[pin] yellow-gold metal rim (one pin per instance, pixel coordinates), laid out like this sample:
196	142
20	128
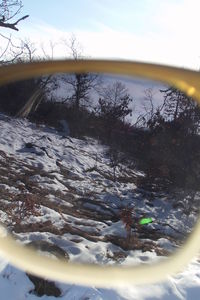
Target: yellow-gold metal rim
85	274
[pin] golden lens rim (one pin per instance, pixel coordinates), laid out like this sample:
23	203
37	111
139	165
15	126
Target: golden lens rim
102	276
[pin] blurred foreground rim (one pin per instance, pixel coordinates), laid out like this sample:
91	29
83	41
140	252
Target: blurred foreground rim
102	276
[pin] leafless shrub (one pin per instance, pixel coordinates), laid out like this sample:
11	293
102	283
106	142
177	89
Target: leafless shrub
22	206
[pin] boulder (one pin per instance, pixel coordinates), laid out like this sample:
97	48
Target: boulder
43	286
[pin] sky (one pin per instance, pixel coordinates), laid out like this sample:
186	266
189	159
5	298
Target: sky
155	31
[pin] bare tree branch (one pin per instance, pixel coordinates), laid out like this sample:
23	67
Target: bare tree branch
7	45
28	50
13	15
14	51
74	47
51	46
12	25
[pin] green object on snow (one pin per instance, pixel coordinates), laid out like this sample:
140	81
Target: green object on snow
144	221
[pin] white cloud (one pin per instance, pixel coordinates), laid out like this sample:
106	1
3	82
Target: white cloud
171	37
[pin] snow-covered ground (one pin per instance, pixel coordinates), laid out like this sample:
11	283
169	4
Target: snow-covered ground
14	284
62	191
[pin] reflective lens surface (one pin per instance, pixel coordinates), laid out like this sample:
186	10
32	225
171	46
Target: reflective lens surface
99	169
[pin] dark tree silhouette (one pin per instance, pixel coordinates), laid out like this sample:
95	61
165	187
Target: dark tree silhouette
114	102
181	110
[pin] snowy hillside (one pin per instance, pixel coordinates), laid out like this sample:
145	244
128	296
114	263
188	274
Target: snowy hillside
62	195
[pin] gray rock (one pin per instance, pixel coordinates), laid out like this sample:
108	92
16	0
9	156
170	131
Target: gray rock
49	247
43	286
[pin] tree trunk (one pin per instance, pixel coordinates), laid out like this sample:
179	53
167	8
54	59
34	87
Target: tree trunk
32	102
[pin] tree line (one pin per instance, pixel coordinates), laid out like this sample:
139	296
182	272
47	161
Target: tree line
163	142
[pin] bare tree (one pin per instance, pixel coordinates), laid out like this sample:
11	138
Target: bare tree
28	52
49	55
78	85
151	110
9	9
114	101
73	47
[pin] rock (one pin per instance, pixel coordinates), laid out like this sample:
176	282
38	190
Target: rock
43	286
29	145
49	247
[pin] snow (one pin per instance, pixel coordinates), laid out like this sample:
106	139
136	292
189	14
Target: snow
14	284
79	211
